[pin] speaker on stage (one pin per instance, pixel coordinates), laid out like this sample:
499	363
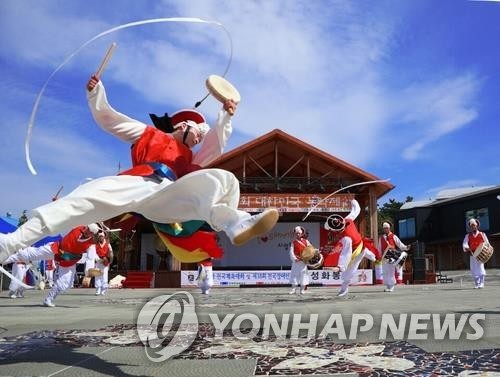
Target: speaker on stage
418	268
418	249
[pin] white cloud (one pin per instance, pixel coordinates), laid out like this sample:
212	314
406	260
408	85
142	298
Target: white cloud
453	185
437	109
309	69
317	70
43	32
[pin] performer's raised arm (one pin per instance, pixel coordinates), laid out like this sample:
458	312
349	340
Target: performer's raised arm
216	139
355	210
110	120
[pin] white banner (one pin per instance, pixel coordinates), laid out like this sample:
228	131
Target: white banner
236	278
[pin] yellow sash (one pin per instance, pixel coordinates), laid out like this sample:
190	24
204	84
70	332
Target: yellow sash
356	252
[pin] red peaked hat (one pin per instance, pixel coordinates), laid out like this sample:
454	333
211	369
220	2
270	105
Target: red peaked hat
187	114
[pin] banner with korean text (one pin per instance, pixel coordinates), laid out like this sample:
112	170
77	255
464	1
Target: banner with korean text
236	278
296	202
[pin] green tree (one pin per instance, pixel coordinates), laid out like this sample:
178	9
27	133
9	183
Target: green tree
388	210
23	218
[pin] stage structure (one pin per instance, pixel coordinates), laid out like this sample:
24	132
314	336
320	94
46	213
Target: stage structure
276	170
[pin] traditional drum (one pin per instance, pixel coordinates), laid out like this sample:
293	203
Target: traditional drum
312	257
483	252
394	256
222	89
93	272
86	282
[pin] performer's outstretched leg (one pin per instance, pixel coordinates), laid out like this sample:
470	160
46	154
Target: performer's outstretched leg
211	195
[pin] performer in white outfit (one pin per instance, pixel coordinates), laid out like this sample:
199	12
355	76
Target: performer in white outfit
166	185
389	241
103	257
205	276
66	252
49	272
379	272
471	242
89	259
19	270
399	273
354	246
299	276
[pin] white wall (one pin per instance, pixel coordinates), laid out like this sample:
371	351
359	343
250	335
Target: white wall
272	249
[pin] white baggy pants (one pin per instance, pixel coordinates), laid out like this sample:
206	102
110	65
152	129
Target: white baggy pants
211	195
64	281
101	282
389	274
299	275
350	267
65	275
49	276
19	272
477	271
206	278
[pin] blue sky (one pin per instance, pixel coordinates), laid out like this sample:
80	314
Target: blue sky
406	90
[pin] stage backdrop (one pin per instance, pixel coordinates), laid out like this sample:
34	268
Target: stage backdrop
271	249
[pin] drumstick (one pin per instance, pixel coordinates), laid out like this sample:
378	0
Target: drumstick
106	60
230	110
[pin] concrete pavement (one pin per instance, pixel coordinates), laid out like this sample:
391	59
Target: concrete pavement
92	335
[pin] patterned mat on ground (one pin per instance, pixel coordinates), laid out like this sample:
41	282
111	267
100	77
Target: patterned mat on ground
279	356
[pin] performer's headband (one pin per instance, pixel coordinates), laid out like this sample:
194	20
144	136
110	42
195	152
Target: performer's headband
299	230
474	222
93	228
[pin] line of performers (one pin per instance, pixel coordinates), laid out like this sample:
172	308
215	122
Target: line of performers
63	255
44	275
349	249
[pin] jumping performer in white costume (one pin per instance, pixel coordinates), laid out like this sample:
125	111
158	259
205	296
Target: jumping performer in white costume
166	185
355	247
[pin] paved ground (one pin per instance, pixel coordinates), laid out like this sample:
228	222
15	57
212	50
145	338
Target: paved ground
87	335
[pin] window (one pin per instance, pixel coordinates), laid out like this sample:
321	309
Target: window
480	214
407	228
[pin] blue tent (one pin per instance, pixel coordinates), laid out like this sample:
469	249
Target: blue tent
48	239
7	224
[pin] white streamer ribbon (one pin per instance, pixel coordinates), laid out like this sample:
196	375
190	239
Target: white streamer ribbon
13	278
108	229
342	189
109	31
